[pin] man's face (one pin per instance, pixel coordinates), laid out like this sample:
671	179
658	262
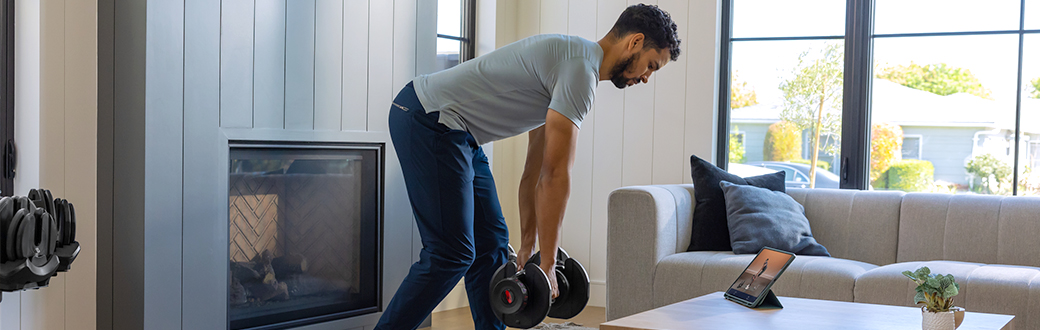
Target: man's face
638	67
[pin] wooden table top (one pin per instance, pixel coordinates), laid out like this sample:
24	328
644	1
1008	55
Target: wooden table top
713	311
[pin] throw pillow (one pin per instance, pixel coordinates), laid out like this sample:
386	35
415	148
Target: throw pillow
710	232
760	217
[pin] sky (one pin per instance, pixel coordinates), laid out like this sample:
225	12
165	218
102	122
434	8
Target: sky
993	59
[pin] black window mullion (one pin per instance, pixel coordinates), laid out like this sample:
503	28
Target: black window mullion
855	123
725	45
7	151
1018	97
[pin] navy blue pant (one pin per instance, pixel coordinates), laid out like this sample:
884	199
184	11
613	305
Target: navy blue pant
457	211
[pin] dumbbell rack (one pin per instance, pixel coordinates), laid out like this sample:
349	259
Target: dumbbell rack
37	240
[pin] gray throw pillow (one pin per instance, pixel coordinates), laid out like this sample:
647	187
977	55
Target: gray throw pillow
760	217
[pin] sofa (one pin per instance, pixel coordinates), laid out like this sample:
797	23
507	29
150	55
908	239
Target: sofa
991	244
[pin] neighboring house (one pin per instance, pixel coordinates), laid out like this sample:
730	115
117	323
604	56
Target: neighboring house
944	130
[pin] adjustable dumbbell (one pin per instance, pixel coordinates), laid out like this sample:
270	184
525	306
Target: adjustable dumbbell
522	298
29	235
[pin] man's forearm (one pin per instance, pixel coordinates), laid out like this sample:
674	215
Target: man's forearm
528	218
551	201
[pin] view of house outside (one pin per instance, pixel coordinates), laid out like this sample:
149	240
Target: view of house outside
943	107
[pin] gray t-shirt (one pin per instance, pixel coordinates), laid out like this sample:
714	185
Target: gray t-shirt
509	91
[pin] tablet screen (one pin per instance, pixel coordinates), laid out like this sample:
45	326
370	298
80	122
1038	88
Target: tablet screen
759	274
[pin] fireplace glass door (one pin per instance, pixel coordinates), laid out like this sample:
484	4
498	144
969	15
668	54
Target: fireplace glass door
304	233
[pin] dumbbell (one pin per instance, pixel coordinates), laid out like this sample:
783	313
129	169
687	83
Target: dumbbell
29	240
522	298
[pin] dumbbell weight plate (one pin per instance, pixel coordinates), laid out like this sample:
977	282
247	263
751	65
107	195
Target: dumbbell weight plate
569	304
72	223
538	297
25	244
10	248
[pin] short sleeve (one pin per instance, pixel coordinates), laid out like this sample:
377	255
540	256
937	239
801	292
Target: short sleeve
575	89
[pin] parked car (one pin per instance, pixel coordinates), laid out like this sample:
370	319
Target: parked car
796	175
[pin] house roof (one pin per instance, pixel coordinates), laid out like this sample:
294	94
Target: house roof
905	106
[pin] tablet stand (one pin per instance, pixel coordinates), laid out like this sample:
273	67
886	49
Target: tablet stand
769	302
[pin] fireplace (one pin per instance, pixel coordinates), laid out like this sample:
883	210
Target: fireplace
305	228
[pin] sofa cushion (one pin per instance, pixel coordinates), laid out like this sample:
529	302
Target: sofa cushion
984	288
710	232
758	217
691	274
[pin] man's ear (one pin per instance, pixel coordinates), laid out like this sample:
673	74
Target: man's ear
635	42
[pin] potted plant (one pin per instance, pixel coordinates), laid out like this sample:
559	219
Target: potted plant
936	292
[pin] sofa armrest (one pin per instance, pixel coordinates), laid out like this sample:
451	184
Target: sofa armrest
645	224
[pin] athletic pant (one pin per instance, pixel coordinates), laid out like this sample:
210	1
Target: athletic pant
457	212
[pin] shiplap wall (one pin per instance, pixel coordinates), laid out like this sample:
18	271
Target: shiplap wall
644	134
56	115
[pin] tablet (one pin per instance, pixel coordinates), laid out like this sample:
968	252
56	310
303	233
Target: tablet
753	284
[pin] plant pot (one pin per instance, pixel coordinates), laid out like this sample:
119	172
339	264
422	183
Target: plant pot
942	321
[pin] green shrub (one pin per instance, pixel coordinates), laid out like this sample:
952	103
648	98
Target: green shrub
783	142
909	175
990	175
736	148
819	163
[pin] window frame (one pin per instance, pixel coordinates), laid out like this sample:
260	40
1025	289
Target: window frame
920	144
856	117
468	30
7	74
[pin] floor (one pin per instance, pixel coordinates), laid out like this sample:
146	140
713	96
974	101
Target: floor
460	319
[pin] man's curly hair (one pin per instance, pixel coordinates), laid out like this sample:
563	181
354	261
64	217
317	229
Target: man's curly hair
656	25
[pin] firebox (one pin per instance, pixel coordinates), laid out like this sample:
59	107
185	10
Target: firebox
305	227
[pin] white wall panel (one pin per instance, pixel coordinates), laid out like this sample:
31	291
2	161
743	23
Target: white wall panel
608	156
328	65
381	89
355	65
299	65
236	63
553	17
701	81
577	219
670	107
637	166
269	64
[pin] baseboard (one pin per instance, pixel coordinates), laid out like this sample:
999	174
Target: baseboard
598	293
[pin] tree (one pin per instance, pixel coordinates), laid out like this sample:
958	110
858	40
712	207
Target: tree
783	142
935	78
740	95
886	148
1035	85
812	98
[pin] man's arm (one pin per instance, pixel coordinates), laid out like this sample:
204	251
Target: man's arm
554	185
528	182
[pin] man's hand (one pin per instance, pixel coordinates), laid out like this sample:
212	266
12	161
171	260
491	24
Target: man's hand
550	271
523	255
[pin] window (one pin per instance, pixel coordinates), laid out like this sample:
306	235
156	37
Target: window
961	73
7	147
786	69
455	32
911	148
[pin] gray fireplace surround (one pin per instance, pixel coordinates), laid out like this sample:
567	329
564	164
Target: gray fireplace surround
165	122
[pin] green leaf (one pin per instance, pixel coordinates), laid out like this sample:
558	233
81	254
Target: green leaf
907	273
951	291
920	298
923	272
932	283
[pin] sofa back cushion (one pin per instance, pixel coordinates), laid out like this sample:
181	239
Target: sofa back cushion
853	224
970	228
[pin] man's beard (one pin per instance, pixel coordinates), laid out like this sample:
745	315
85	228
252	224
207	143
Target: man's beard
617	73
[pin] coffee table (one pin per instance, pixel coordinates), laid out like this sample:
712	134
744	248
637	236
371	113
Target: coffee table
713	311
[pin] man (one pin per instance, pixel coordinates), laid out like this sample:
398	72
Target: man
544	84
